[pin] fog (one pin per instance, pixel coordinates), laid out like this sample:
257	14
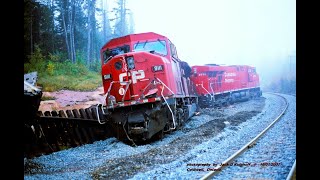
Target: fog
261	33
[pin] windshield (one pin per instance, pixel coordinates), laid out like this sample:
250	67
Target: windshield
158	46
109	53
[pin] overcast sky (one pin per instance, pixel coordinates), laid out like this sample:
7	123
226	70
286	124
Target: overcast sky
254	32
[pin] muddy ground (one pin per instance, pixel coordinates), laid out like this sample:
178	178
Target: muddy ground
66	99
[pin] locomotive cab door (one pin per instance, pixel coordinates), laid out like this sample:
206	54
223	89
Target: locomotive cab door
176	68
177	76
219	77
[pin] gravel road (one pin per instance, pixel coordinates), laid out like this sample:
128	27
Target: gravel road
205	139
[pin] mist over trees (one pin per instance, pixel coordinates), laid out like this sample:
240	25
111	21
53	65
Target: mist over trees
281	78
73	30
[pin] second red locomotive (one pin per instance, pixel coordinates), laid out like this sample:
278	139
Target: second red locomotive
218	85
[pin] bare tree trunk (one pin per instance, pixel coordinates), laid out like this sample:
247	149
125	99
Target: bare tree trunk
121	28
94	37
89	46
65	31
122	17
91	26
104	21
131	23
73	44
31	43
71	30
124	27
89	34
52	28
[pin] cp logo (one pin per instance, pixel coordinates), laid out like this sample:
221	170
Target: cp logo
135	75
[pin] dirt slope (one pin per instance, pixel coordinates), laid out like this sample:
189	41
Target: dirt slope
66	99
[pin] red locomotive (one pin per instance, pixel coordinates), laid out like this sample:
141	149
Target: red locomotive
218	85
149	90
147	87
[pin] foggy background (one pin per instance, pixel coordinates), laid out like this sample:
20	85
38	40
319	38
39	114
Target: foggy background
260	33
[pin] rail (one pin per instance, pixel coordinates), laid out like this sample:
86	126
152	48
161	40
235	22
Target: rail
219	167
291	171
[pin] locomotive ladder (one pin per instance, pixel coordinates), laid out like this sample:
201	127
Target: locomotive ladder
211	95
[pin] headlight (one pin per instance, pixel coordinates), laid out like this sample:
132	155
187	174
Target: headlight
107	76
130	62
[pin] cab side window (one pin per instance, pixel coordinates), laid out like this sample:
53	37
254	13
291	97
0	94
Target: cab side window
173	51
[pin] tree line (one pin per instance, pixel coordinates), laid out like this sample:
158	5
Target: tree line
73	30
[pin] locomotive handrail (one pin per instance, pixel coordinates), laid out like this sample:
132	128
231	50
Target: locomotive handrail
144	89
212	91
212	97
164	85
174	121
109	89
127	86
98	117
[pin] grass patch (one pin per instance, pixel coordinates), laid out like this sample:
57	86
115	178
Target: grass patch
46	98
55	74
87	82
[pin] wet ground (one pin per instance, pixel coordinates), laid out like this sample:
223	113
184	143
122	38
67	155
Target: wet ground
66	99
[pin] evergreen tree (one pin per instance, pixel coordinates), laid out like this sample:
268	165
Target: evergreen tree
131	23
66	27
121	28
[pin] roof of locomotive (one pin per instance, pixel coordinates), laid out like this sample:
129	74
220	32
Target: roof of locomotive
243	66
210	67
216	67
132	37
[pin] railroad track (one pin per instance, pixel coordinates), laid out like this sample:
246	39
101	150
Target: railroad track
167	159
292	171
229	161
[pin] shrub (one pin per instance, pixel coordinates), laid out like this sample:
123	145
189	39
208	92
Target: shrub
50	68
36	62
